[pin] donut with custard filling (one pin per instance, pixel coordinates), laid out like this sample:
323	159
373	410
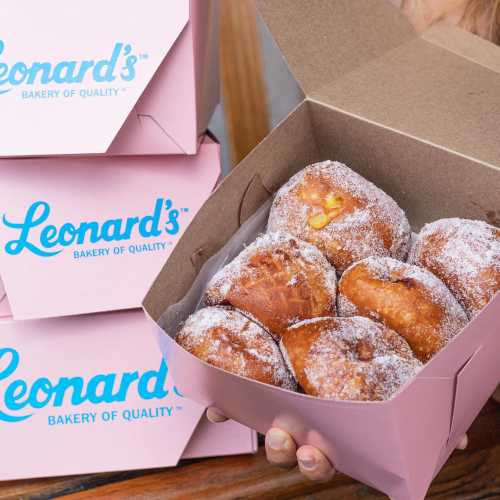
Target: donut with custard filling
347	217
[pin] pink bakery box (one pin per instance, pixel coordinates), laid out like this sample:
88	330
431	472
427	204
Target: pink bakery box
385	101
144	83
88	235
89	394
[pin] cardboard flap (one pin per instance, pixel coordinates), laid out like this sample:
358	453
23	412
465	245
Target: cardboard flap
363	58
424	410
172	93
427	92
475	383
73	97
462	43
322	40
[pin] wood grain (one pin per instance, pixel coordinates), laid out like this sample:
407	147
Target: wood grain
243	88
470	475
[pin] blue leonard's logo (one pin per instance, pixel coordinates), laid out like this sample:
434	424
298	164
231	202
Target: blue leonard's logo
119	66
46	240
19	400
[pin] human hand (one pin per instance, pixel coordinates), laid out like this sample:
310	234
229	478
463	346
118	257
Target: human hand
481	18
281	450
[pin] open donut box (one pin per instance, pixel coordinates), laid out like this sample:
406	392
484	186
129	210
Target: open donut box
418	116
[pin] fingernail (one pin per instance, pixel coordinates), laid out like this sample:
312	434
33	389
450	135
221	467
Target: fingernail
276	441
307	462
463	443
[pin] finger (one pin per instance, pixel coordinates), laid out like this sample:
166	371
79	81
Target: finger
280	448
463	443
314	465
215	416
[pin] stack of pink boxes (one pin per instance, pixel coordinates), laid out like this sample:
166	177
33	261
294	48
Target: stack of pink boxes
103	166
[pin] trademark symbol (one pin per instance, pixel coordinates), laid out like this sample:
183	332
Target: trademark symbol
143	56
178	408
185	210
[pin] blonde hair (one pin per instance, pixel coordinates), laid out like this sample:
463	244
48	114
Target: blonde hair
482	17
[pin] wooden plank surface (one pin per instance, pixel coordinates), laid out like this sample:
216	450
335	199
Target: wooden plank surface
470	475
243	88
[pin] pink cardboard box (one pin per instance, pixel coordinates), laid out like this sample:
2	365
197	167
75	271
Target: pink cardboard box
89	235
145	82
91	394
387	102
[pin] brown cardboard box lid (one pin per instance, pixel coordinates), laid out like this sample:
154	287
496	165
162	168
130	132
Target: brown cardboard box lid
362	57
322	40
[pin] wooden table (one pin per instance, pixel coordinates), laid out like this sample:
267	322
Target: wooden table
473	474
469	475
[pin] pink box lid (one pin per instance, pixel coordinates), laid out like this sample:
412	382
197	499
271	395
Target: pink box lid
89	235
133	87
94	395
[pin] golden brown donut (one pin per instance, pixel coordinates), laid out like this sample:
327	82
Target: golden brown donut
347	217
278	280
408	299
353	359
229	340
465	255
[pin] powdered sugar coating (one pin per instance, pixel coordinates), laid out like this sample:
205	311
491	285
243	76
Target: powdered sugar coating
408	299
345	307
372	223
348	358
229	340
465	254
278	280
288	363
411	252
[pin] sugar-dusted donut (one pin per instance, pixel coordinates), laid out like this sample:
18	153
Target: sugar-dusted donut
353	359
347	217
465	255
406	298
229	340
278	280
